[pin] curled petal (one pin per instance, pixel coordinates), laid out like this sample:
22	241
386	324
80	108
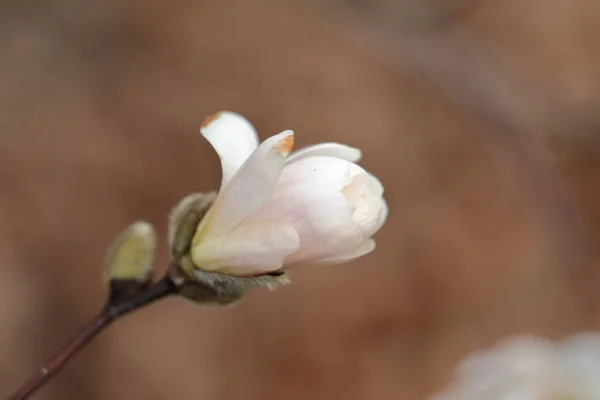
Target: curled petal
250	249
324	178
328	172
233	137
366	212
381	217
366	206
249	188
319	171
320	215
356	189
335	150
370	210
367	246
344	240
374	184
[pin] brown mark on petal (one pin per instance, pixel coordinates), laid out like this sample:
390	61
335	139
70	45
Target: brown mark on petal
208	120
286	145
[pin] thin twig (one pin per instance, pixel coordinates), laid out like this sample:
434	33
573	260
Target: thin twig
109	314
52	367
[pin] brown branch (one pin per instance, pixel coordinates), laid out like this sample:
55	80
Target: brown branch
109	314
52	367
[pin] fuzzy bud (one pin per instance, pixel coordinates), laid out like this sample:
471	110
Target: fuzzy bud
129	260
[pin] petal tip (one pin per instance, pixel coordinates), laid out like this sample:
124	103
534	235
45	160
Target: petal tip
356	154
210	119
286	144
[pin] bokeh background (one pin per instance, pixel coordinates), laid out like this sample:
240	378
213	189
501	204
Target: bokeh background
480	117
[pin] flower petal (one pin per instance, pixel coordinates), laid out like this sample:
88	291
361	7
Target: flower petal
381	217
321	174
249	188
249	249
320	171
367	246
367	206
366	212
374	184
345	239
356	189
320	215
233	137
335	150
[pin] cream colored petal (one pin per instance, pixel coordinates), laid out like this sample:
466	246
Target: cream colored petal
360	189
343	240
335	150
370	210
381	217
320	171
367	246
249	188
233	137
250	249
356	189
374	184
320	215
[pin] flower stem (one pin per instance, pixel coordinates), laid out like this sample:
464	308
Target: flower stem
109	314
97	325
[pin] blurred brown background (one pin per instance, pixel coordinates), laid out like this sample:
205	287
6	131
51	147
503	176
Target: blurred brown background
480	117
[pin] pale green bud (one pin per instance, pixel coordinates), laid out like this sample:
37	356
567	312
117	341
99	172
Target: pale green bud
130	256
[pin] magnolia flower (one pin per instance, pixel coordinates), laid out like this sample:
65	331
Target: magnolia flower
276	208
531	368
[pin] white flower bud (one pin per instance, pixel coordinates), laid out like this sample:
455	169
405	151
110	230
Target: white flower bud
275	209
